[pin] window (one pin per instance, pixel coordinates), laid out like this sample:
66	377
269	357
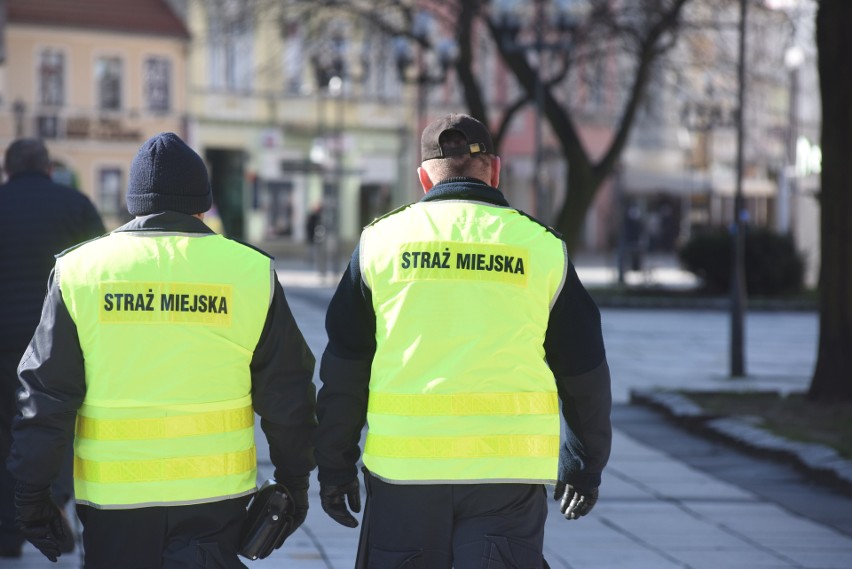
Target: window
51	78
230	46
47	126
158	71
109	191
108	83
294	57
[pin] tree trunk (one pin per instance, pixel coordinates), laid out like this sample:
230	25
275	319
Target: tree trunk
582	186
832	378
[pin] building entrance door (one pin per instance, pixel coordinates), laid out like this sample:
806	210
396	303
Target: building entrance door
226	178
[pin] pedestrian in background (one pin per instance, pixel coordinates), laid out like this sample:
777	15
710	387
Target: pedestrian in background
38	219
160	341
457	328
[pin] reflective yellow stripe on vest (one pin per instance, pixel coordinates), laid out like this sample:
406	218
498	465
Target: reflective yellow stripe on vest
459	389
463	404
161	470
165	427
502	446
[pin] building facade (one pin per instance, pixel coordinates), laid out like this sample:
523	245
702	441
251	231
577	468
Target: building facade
94	79
294	116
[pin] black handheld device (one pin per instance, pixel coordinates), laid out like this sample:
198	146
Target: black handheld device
268	522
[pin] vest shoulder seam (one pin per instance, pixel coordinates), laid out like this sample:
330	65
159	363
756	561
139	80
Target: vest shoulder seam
388	214
250	246
78	245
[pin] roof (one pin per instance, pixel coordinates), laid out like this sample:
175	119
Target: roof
154	17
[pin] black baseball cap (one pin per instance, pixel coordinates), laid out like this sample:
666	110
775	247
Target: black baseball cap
477	136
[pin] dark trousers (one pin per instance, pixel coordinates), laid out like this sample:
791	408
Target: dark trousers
201	536
466	526
10	537
63	487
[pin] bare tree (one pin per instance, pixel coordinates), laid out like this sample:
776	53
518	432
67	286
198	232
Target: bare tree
639	31
832	380
642	32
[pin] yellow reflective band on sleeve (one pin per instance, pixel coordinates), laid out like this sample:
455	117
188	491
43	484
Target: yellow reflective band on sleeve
523	446
424	404
435	260
209	423
139	302
160	470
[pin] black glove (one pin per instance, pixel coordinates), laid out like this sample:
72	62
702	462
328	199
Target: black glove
333	500
298	494
574	503
41	521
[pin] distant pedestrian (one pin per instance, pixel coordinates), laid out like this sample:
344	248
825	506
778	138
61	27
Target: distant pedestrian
456	330
313	226
157	345
38	219
315	229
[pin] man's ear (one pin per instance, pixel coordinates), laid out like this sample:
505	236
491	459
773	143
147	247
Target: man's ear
495	171
425	180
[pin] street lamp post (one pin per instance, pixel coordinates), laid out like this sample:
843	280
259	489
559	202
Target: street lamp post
333	75
738	282
330	71
422	67
793	59
562	25
424	75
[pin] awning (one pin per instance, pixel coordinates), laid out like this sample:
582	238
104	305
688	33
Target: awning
635	181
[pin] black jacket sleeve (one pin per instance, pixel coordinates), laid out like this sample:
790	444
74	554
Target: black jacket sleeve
283	393
53	387
575	351
345	374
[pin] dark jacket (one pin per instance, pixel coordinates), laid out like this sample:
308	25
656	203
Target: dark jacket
38	219
573	345
52	370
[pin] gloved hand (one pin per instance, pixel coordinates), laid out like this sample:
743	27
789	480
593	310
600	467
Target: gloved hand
298	493
573	503
40	520
333	500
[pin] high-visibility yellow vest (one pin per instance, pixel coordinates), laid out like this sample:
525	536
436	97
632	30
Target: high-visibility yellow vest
167	327
459	387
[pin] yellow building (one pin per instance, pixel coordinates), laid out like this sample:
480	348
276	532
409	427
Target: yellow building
291	113
94	79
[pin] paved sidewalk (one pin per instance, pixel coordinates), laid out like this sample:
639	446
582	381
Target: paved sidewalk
668	499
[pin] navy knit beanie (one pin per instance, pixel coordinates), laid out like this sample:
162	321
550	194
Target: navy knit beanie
168	175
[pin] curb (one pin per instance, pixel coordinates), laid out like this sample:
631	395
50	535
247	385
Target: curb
609	298
820	462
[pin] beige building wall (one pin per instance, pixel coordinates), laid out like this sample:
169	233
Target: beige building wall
83	138
275	141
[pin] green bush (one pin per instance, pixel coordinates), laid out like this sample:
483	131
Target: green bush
773	267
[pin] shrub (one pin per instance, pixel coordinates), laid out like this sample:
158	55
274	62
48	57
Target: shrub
773	267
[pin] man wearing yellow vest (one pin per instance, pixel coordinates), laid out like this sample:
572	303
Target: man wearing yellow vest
457	329
157	345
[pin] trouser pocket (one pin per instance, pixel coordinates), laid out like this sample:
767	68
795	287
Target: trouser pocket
210	556
380	559
504	553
